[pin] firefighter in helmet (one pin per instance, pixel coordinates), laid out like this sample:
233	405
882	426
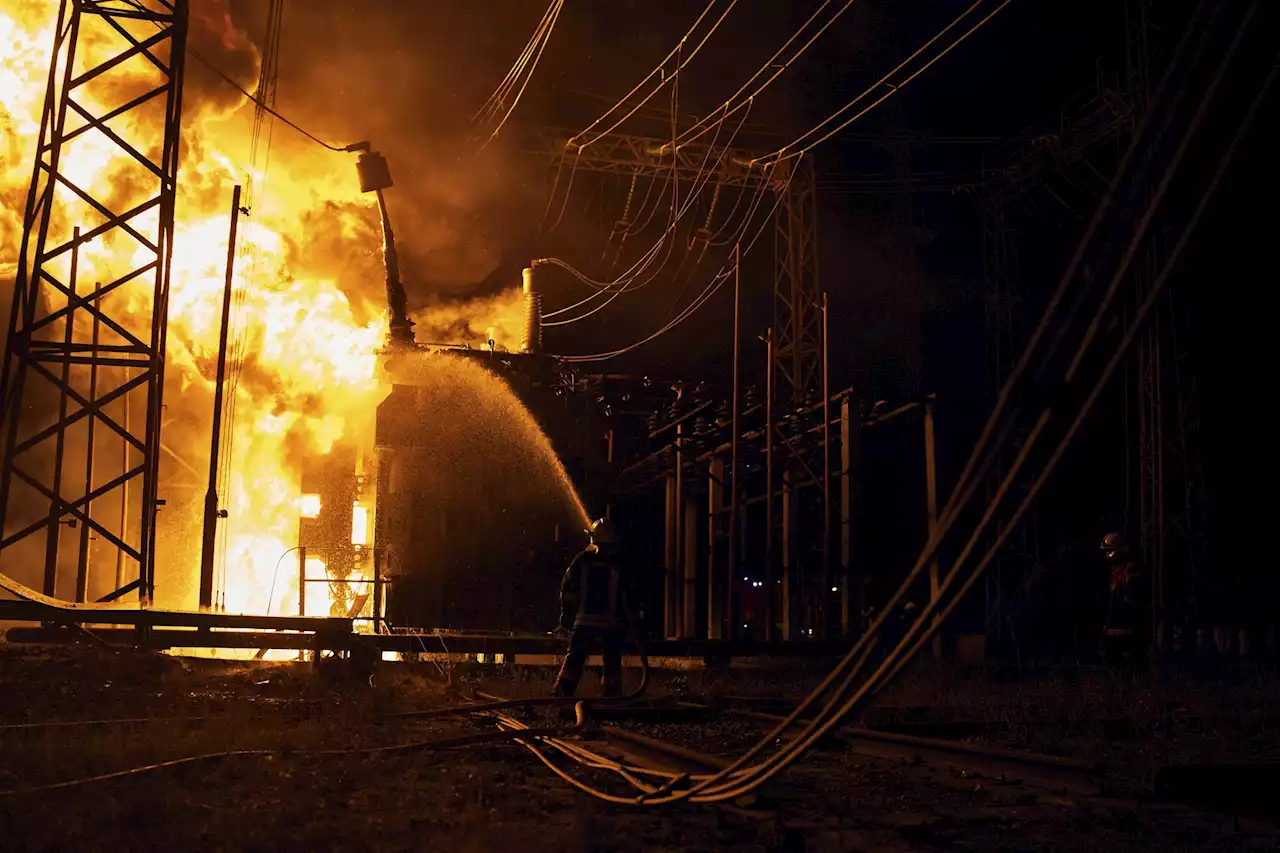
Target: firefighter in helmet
1124	634
593	606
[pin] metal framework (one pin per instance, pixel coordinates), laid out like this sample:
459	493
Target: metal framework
1168	483
75	358
797	300
797	297
651	157
1086	124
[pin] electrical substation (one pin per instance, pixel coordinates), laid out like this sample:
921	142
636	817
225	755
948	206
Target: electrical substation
899	365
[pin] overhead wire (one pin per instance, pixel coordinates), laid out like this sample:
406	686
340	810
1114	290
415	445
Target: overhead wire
700	128
226	78
660	68
712	286
674	214
264	103
495	101
616	288
702	234
798	146
543	37
630	280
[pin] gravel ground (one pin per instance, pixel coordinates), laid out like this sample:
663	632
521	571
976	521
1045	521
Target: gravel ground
489	797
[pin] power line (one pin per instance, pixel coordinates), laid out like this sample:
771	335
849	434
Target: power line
791	150
216	70
268	80
494	101
710	290
690	135
678	50
541	37
627	281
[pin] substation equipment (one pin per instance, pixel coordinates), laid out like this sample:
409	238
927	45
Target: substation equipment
758	489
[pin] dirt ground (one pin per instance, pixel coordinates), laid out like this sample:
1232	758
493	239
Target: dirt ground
499	797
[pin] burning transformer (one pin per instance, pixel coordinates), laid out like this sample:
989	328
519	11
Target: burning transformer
457	512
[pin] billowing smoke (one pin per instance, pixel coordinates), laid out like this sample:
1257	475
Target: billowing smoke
474	322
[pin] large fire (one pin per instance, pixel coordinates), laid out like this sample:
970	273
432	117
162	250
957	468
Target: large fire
309	326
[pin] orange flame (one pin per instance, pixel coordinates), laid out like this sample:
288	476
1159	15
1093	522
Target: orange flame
309	374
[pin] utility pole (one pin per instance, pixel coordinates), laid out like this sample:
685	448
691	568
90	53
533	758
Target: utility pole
211	511
732	575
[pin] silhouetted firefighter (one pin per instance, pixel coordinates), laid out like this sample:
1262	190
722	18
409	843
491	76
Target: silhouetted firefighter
593	603
1125	633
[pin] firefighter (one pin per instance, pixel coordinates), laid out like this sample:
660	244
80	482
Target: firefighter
1124	633
593	606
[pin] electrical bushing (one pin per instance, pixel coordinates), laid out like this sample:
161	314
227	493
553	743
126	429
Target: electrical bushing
374	172
532	314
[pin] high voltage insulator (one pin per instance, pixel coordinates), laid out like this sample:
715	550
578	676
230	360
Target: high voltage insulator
532	314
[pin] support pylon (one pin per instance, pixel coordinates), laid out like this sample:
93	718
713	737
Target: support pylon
51	348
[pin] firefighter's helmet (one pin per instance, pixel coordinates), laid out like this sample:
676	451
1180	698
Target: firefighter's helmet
1115	547
1113	542
602	532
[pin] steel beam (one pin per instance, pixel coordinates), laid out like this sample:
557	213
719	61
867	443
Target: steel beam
850	583
650	157
689	589
797	309
797	298
41	404
670	590
719	540
931	510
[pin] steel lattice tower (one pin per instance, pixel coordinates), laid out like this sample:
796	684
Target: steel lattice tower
82	355
797	297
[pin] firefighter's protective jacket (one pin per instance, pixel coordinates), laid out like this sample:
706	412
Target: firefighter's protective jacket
1128	609
592	593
